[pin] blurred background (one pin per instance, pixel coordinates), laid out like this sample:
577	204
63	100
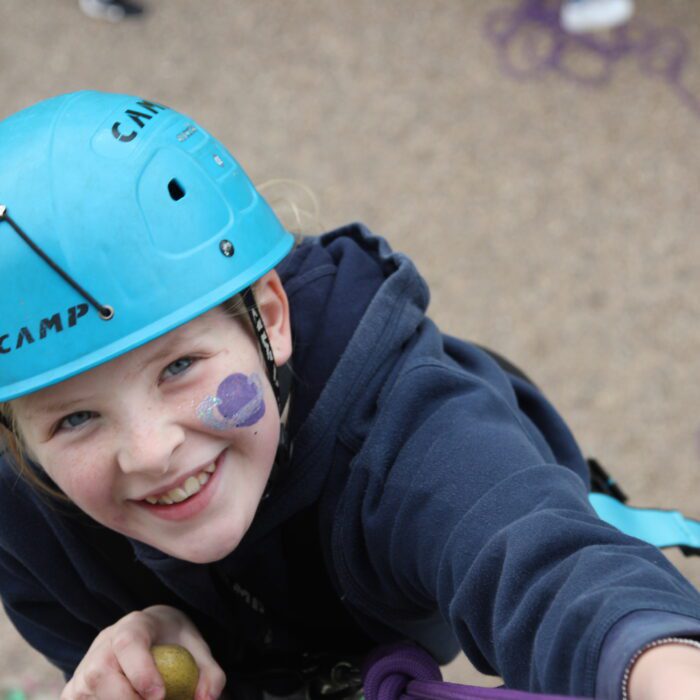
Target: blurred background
545	183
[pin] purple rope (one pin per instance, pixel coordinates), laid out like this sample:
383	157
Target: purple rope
387	672
406	672
531	42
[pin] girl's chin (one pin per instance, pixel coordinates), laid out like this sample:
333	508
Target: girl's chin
198	557
202	550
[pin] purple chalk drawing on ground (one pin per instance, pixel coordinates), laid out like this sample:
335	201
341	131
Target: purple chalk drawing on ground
531	42
238	403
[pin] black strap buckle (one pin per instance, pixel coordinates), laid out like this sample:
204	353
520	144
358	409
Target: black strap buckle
602	482
339	681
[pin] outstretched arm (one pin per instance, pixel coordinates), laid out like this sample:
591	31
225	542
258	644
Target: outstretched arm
465	509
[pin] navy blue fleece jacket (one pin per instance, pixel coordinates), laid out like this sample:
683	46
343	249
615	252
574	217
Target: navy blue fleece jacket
430	495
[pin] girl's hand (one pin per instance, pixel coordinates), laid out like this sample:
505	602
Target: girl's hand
119	666
667	671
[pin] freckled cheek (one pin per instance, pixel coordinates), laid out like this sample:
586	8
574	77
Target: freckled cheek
91	492
83	482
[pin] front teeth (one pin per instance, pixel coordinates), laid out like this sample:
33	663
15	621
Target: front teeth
181	493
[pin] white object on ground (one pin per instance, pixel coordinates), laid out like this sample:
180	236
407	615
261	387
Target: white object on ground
578	16
103	9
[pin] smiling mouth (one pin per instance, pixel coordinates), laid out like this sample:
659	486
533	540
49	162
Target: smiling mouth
190	487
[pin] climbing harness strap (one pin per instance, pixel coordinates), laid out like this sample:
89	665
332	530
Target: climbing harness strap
662	528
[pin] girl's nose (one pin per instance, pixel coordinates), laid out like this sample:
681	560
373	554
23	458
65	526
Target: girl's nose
149	446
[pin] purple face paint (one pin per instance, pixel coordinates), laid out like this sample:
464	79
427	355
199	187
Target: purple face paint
238	403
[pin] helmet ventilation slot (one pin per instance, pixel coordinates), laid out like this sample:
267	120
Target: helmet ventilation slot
175	190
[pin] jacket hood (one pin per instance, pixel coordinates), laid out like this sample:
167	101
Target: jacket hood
354	303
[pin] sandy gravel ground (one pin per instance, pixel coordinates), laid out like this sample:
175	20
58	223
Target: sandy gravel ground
555	220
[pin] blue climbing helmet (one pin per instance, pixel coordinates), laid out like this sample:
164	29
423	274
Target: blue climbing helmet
120	219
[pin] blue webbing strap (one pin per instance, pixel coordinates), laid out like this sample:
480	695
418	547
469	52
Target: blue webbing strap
662	528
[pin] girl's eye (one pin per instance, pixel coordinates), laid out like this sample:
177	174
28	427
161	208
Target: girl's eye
180	365
75	420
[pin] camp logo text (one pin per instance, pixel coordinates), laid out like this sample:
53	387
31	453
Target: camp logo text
138	117
55	323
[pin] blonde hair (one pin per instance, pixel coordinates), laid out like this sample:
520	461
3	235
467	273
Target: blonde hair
296	207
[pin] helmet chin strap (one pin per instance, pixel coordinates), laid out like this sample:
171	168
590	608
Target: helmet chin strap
280	380
264	342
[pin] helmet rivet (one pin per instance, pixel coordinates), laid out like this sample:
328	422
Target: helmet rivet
226	247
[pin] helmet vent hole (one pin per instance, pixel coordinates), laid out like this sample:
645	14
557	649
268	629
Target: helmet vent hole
175	190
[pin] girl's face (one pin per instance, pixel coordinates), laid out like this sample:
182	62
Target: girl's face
172	443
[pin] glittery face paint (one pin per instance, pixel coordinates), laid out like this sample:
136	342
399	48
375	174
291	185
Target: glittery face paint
238	403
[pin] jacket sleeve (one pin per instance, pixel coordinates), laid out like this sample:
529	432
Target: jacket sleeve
629	635
40	619
57	591
455	502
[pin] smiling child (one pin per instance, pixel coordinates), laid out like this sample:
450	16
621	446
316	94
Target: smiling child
268	453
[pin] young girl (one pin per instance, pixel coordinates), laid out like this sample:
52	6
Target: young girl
268	453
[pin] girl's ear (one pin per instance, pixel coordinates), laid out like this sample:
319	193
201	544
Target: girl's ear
274	308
